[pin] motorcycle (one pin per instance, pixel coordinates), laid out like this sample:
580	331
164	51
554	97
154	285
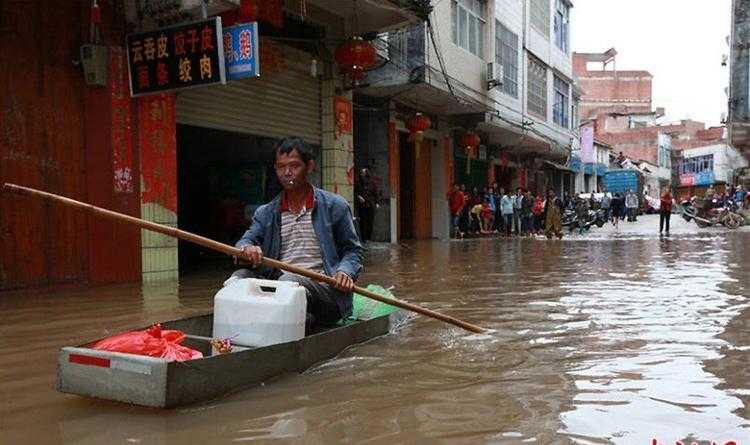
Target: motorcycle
598	217
710	212
572	222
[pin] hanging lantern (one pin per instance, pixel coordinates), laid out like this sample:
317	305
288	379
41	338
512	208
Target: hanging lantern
249	11
417	125
470	143
354	57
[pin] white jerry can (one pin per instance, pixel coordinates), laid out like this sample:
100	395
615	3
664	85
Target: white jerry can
252	312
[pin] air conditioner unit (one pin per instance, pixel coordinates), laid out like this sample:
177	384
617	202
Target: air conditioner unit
494	75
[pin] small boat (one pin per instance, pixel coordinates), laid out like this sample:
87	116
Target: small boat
157	382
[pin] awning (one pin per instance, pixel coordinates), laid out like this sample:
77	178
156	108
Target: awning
558	166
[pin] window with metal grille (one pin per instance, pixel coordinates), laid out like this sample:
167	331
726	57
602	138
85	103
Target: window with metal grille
562	14
698	164
467	25
506	55
560	112
537	88
539	15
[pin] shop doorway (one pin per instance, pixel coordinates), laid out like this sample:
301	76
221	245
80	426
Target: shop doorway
415	196
222	178
504	177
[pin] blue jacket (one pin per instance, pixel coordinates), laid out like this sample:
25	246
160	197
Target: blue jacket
334	227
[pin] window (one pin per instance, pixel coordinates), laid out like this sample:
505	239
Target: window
562	14
697	164
467	25
540	16
560	112
537	88
506	55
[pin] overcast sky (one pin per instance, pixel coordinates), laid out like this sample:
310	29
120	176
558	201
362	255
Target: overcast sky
680	42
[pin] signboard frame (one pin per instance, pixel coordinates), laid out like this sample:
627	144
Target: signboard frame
219	43
255	51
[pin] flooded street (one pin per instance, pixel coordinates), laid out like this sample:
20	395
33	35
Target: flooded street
612	337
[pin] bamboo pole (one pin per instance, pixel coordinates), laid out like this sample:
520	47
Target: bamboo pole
233	251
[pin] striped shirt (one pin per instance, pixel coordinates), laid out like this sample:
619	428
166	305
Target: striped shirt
299	244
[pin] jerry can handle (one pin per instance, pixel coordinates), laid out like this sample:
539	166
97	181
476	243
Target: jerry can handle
257	285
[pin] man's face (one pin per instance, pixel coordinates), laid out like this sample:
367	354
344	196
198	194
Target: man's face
292	170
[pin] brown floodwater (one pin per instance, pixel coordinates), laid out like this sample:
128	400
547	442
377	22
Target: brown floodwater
617	338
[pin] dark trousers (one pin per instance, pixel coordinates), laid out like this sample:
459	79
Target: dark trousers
366	216
322	309
508	223
664	221
499	220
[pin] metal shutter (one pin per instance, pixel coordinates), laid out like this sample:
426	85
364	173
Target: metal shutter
285	103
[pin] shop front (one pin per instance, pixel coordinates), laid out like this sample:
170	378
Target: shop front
225	140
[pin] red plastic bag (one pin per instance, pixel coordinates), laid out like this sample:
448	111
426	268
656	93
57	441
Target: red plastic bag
153	342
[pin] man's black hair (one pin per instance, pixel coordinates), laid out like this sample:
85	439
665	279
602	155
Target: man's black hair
289	144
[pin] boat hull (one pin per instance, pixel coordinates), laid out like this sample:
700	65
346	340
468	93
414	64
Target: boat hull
158	383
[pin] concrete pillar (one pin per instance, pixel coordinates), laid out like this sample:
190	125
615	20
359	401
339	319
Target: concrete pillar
337	163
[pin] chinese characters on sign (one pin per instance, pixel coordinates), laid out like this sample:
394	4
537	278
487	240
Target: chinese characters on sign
176	57
241	51
158	144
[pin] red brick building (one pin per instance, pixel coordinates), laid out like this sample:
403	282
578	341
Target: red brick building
610	90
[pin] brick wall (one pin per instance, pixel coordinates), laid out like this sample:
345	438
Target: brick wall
628	90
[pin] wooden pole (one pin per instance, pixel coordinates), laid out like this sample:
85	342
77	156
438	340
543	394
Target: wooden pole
233	251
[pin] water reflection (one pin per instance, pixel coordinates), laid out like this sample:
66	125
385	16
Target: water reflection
606	340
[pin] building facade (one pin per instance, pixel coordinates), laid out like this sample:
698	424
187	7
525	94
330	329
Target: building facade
199	158
716	165
738	121
499	68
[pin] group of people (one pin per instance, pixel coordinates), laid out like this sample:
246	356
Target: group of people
734	195
617	206
495	211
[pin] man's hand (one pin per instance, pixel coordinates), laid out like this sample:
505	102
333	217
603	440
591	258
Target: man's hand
253	254
343	282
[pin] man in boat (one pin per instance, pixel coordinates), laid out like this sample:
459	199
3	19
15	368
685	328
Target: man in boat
306	227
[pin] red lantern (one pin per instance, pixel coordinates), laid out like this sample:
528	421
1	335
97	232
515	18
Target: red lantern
355	57
417	125
470	143
249	11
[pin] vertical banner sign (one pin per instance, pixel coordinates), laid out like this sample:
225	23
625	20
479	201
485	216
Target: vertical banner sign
448	162
158	145
181	56
342	109
587	144
122	142
522	177
241	54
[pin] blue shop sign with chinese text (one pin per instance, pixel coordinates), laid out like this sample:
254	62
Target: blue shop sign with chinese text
181	56
241	51
705	178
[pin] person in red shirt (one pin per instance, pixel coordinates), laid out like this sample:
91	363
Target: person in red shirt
487	217
665	211
456	203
